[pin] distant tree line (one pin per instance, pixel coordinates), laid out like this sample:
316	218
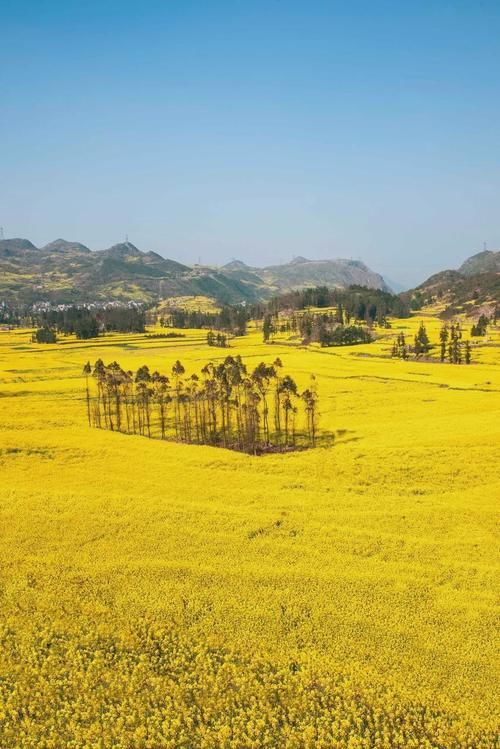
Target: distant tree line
358	303
9	315
230	319
165	335
226	406
86	323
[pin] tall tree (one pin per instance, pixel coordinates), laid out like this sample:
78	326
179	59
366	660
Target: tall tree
87	371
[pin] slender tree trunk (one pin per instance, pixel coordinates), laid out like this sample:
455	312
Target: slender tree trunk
88	398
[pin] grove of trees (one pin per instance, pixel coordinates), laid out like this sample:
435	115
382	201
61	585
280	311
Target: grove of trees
225	406
479	329
230	318
325	328
88	323
44	335
452	348
220	340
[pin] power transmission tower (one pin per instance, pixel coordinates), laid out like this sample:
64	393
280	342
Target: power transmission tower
1	233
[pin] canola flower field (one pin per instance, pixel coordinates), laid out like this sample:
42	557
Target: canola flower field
158	595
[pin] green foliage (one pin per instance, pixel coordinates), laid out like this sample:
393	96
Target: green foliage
231	319
400	348
88	323
267	327
355	302
453	347
45	335
479	329
219	340
422	343
165	335
226	407
344	335
86	327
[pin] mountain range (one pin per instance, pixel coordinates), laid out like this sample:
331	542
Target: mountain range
66	272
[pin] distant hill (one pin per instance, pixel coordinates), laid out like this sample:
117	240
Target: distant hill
62	245
11	247
66	271
301	273
484	262
473	289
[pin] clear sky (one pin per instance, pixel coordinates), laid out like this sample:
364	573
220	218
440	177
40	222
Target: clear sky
258	130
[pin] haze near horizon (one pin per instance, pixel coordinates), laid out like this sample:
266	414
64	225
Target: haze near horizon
257	131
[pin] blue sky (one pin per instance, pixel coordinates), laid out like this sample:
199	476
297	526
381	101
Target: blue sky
256	130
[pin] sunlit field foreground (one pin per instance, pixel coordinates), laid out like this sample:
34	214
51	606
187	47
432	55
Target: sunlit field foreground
162	595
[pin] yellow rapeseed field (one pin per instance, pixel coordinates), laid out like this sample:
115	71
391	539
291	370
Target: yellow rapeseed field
158	595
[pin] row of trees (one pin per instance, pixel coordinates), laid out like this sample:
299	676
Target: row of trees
230	318
356	303
452	347
220	340
89	323
225	406
401	349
